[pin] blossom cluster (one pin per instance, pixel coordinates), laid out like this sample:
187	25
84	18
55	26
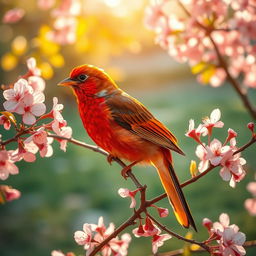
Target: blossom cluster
65	15
65	23
25	98
190	29
92	235
230	240
216	153
149	229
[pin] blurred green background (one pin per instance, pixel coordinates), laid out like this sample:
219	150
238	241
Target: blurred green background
61	193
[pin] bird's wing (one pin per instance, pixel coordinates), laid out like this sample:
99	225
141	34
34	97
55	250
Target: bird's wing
133	116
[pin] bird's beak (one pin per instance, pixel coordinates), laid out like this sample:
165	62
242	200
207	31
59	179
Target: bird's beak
67	82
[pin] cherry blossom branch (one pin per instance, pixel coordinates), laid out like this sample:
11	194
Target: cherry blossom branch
178	252
201	244
222	63
144	204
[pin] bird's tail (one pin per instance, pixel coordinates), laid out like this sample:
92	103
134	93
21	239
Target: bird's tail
173	190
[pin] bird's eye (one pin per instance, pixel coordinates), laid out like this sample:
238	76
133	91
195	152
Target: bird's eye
82	77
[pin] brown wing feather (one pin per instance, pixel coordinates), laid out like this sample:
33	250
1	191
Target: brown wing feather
133	116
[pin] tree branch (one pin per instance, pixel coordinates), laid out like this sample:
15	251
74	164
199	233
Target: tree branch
201	244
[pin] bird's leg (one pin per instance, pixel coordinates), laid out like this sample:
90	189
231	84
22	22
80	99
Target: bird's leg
127	169
110	158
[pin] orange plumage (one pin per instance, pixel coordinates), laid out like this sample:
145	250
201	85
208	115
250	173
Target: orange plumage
122	126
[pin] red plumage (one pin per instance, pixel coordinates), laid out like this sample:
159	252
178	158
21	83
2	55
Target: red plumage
122	126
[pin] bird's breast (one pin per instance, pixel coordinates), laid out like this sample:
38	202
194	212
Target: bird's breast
110	136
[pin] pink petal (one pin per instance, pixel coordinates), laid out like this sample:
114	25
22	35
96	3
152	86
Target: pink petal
133	202
38	97
9	94
123	192
38	109
37	83
12	168
80	237
10	105
225	174
29	157
239	238
250	205
224	219
215	115
28	118
219	124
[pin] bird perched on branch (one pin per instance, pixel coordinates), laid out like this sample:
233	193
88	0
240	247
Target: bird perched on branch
124	127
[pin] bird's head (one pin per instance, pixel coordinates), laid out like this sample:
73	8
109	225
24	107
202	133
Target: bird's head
89	80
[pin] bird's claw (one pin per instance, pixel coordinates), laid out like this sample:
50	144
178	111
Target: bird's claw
125	170
110	159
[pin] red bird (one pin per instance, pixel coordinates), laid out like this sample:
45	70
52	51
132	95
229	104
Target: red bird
123	127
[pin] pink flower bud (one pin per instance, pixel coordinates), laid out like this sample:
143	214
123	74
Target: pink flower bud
231	134
251	126
163	212
207	223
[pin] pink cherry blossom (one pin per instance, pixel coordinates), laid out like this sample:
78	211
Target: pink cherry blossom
202	154
231	242
119	247
232	164
193	132
56	110
15	95
212	122
40	139
214	152
224	221
158	241
37	83
13	15
5	122
125	192
30	106
93	234
228	237
26	151
45	4
84	237
32	68
184	34
148	229
67	133
7	165
9	192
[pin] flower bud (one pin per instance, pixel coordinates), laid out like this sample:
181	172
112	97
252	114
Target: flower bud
207	223
251	126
